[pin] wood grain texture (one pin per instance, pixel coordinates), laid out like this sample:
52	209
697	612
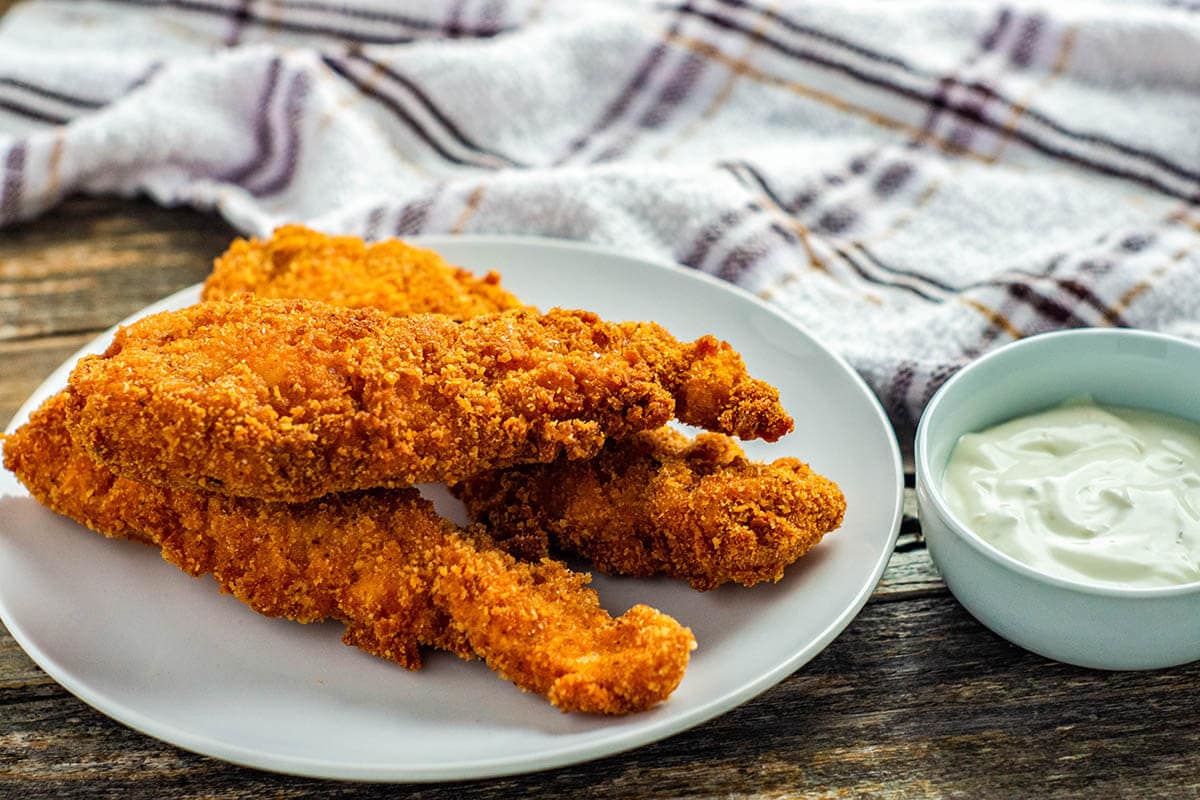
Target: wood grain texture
69	275
915	699
27	362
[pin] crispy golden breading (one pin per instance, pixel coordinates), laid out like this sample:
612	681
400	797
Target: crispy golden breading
540	627
345	271
292	399
334	557
653	504
660	503
383	563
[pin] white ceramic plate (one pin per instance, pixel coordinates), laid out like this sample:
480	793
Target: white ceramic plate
172	657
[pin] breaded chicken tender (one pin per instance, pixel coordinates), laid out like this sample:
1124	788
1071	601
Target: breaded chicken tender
290	399
652	504
539	626
345	271
383	563
660	503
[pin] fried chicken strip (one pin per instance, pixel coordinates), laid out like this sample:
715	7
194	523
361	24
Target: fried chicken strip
401	280
660	503
291	400
652	504
343	270
383	563
539	626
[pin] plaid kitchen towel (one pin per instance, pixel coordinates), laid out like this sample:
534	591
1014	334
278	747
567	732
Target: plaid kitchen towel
914	182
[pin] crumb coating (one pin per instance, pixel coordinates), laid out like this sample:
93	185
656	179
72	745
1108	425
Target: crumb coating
390	275
339	556
707	378
660	503
573	653
293	399
383	563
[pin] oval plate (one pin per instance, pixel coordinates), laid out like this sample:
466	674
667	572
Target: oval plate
172	657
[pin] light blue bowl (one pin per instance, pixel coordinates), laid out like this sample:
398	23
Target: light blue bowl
1078	623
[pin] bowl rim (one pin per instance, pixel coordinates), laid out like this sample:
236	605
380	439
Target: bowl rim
924	472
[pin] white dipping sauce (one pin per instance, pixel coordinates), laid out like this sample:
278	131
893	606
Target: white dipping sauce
1097	494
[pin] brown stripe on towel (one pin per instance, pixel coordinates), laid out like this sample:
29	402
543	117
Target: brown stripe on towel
620	105
992	94
712	233
290	133
1027	39
1036	132
774	206
24	109
670	97
237	22
262	130
66	98
1140	288
944	85
414	214
372	85
24	98
392	74
324	21
14	178
470	206
997	322
1066	46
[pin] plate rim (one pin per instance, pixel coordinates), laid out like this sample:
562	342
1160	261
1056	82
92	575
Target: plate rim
618	741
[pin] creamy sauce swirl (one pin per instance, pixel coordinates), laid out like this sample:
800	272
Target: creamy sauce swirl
1091	493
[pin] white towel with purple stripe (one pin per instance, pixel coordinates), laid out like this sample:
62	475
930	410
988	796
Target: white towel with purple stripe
915	183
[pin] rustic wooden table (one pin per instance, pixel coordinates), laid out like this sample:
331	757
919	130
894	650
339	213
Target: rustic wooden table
915	699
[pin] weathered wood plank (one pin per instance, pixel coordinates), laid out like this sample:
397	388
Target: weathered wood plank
915	699
67	276
910	572
83	268
17	670
27	362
